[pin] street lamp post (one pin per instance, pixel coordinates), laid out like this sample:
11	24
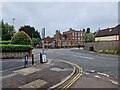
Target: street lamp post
13	22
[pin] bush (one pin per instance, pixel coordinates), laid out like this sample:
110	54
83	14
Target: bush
36	41
5	42
21	38
15	48
114	52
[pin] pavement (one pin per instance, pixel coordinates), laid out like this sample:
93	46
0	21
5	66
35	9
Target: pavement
47	75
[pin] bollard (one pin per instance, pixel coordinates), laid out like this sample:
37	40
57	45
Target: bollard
32	59
40	58
26	61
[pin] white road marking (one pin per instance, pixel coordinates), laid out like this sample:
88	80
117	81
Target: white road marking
87	73
104	74
10	75
114	82
83	57
92	71
97	76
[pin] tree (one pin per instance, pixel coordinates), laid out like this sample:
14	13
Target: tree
89	37
7	31
30	31
88	30
36	41
83	30
21	38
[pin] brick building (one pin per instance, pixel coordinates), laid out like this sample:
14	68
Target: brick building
49	41
70	37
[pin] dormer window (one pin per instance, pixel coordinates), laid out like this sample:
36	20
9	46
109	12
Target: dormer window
110	30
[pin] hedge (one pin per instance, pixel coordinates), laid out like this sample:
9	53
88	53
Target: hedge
114	52
5	42
15	48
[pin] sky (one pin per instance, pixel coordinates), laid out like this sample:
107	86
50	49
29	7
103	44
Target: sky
61	15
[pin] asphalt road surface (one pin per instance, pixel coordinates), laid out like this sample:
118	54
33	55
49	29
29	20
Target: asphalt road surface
89	61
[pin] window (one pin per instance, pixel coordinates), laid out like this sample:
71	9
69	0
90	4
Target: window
72	34
81	34
73	38
75	34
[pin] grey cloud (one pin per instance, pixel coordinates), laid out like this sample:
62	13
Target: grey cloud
61	16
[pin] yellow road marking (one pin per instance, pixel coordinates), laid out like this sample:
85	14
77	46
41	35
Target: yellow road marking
74	79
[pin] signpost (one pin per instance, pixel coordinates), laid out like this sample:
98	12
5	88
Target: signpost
43	58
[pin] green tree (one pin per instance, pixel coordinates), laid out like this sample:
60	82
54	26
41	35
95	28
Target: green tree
21	37
89	37
36	41
30	31
6	31
88	30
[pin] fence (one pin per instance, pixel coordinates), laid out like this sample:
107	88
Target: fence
104	45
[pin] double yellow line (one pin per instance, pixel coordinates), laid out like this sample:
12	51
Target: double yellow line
74	79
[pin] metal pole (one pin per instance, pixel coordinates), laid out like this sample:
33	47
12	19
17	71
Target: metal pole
13	22
43	36
43	46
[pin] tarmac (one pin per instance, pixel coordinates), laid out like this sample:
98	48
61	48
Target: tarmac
39	76
54	74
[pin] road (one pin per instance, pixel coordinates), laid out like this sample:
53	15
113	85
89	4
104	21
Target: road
89	62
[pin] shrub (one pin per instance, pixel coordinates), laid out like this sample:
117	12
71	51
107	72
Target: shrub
5	42
114	52
21	38
15	48
36	41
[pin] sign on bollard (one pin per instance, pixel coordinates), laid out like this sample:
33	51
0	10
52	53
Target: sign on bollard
43	58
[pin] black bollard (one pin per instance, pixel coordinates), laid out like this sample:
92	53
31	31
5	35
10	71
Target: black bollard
41	58
32	59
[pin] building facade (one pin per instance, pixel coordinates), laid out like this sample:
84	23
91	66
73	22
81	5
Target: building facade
109	34
70	38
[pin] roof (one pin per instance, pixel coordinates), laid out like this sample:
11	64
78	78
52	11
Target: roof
108	31
49	39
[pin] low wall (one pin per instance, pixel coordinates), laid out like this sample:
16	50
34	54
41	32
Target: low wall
106	45
7	55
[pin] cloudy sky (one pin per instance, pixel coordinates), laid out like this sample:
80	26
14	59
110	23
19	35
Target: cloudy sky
61	15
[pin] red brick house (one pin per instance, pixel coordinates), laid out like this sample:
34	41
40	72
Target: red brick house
48	40
70	37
